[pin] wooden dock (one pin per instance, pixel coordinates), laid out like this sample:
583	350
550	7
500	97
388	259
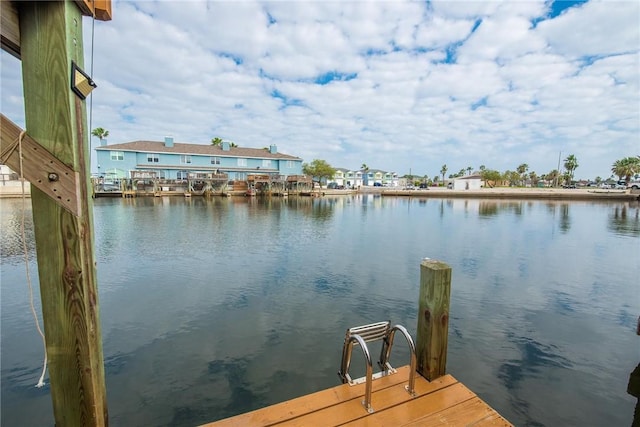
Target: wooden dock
443	401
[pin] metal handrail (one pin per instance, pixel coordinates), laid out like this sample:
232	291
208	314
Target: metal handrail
367	356
385	354
373	332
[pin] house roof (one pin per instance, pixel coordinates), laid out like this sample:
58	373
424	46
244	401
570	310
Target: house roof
196	149
474	176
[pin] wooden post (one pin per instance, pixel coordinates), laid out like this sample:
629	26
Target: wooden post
433	318
51	37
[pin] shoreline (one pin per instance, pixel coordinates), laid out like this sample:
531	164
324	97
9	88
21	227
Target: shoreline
439	192
518	193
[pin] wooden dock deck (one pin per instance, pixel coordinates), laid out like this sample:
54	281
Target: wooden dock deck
444	401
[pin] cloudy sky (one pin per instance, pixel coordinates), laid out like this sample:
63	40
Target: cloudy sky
400	86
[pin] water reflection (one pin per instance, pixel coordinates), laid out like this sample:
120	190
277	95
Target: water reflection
11	220
212	307
565	219
489	208
625	220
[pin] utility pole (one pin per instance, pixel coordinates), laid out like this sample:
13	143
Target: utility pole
558	175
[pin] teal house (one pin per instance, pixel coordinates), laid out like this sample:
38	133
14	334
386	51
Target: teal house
171	160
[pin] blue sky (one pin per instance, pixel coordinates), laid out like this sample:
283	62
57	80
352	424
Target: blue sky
397	85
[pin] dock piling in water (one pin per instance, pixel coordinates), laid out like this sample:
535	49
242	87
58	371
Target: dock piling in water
433	318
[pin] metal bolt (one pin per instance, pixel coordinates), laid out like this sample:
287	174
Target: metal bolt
53	177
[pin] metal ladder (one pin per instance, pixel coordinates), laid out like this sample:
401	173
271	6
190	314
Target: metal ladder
361	335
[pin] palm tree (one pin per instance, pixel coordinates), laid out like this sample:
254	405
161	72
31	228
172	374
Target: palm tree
443	171
100	133
217	141
469	170
571	164
626	168
522	170
365	175
482	168
552	176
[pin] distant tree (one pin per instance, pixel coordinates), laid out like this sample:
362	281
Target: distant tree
318	170
443	170
533	177
482	168
365	176
626	168
553	176
460	173
512	176
491	177
100	133
217	142
522	170
469	170
598	179
571	164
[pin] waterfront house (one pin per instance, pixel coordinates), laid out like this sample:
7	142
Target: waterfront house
469	182
171	160
356	178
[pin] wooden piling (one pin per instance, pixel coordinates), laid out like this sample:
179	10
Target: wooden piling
433	318
51	38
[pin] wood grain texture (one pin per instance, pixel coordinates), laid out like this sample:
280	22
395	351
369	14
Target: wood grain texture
9	28
51	39
433	318
444	401
37	164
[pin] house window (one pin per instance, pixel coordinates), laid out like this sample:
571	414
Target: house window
185	159
182	175
215	160
117	155
290	164
266	163
153	158
242	162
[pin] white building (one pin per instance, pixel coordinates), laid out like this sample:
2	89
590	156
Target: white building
470	182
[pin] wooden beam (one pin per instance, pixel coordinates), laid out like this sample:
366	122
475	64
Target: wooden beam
40	167
51	37
101	9
433	318
9	28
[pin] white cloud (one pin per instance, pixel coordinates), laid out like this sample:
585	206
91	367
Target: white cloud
416	85
595	28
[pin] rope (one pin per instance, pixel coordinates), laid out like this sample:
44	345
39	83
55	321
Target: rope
26	260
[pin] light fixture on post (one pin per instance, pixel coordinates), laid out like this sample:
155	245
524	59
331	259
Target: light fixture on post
81	83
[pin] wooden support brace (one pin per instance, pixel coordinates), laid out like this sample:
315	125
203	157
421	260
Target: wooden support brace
41	168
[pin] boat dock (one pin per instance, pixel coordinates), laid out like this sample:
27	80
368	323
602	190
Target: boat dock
418	394
443	401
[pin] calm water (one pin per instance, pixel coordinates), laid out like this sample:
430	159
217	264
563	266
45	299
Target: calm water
214	307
